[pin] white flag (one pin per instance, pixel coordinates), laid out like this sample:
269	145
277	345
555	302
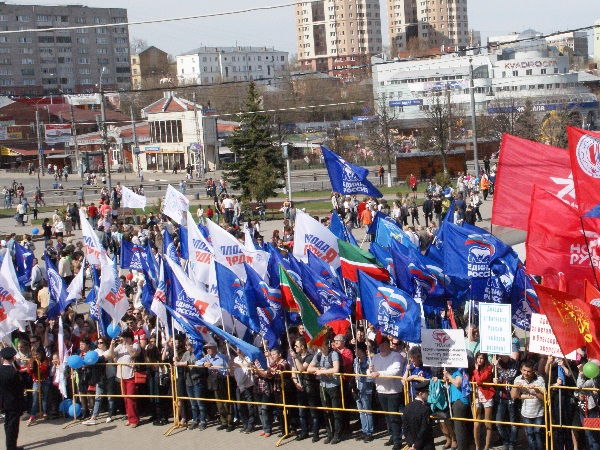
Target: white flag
160	297
175	204
200	251
22	310
311	235
233	254
74	289
132	200
111	295
94	252
206	304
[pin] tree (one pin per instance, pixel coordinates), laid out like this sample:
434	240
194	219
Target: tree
527	125
258	169
439	119
381	138
503	120
136	45
553	130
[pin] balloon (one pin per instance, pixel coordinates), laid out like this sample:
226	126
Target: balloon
129	276
35	231
113	330
75	410
75	362
91	358
591	370
63	407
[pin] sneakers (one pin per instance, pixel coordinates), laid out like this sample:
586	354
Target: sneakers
90	422
192	425
202	426
109	419
30	421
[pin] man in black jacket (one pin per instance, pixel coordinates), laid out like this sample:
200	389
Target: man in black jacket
416	423
12	391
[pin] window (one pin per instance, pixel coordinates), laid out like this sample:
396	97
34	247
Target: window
83	60
122	50
42	18
46	39
529	72
27	61
65	60
28	40
104	61
99	20
543	71
7	82
63	40
81	31
3	18
82	51
86	81
102	41
3	39
29	82
80	20
82	40
515	73
62	19
5	72
100	30
23	18
85	71
5	61
120	40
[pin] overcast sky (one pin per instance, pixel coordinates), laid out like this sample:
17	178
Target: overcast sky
276	28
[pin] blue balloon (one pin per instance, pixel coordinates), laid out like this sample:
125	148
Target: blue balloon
91	358
63	407
75	410
35	231
75	362
113	330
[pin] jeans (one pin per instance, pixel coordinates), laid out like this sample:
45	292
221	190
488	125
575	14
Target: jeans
247	412
392	403
198	407
507	412
44	385
308	400
107	387
535	435
265	412
364	400
331	398
593	437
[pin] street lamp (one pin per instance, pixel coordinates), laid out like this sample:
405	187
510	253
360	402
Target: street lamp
473	119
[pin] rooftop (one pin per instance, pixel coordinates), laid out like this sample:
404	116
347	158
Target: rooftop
248	49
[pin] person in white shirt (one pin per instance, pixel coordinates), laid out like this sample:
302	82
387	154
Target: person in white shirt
125	353
389	390
241	368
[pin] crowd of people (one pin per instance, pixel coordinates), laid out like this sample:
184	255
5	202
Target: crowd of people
366	382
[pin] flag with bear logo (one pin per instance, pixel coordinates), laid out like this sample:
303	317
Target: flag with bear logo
347	178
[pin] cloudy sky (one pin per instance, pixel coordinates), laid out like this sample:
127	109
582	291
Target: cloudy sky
276	27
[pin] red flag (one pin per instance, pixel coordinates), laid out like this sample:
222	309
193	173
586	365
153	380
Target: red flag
547	166
591	294
584	150
555	240
572	320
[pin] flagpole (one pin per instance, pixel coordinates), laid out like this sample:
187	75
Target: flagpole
589	253
223	325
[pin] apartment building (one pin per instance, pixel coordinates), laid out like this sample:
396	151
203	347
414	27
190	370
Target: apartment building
335	35
208	65
45	50
148	67
433	24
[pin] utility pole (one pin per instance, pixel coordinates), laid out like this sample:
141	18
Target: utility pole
39	146
201	152
105	141
473	119
287	156
74	132
136	149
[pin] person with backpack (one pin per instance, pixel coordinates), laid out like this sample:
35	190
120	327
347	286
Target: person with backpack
459	392
386	364
325	365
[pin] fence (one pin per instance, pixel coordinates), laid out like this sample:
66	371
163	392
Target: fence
548	425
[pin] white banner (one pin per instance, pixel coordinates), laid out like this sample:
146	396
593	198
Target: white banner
175	204
200	251
94	251
542	339
74	289
233	254
23	310
495	328
443	348
111	295
132	200
83	99
311	235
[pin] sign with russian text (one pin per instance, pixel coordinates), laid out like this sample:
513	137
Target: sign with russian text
542	339
57	133
443	348
495	328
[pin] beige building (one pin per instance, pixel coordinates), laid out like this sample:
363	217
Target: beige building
597	42
334	35
435	23
149	67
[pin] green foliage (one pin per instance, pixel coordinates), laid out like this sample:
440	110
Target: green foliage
258	169
443	179
527	125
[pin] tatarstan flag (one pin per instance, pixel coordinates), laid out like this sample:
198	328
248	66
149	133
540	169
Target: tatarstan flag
572	320
308	311
354	258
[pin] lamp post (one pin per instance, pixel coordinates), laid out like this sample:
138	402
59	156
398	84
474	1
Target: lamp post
287	155
104	135
473	119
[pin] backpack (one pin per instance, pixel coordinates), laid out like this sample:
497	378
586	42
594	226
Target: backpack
465	387
437	397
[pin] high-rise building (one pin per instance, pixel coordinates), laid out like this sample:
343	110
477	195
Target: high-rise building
431	24
37	62
334	35
597	42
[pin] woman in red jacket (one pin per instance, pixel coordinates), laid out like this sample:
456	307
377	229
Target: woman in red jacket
485	398
37	367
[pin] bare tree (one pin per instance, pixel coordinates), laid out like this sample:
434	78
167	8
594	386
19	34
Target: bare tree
136	45
381	136
439	119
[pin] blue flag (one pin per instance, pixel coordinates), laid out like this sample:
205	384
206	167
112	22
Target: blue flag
339	228
24	265
183	243
204	230
376	218
384	256
331	303
136	257
388	230
390	309
192	332
347	178
275	259
419	269
148	291
169	249
323	269
233	299
57	289
524	300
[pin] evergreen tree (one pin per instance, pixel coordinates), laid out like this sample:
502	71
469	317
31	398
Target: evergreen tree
527	125
258	169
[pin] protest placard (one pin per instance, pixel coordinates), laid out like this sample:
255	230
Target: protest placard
445	348
542	339
495	328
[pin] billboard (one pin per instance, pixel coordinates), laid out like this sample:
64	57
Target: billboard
57	133
10	133
83	99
